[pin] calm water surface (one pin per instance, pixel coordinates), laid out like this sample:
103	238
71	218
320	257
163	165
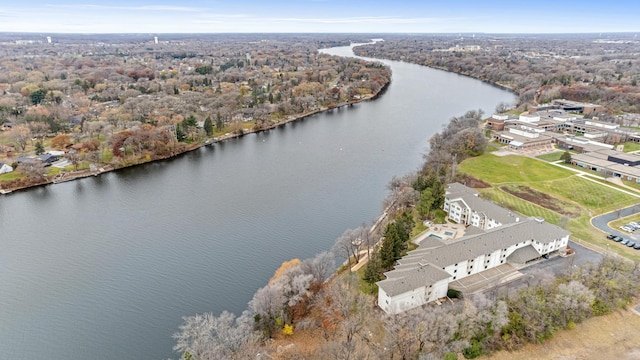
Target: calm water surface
105	267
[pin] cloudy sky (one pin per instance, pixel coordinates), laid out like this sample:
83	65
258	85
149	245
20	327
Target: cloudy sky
401	16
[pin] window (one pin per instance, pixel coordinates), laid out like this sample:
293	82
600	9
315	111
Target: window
454	278
485	266
468	272
455	271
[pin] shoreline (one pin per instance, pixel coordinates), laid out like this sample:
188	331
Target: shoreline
499	86
81	174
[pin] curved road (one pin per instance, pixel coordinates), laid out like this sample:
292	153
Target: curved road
601	221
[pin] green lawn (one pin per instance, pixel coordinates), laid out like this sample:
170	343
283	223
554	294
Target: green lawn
511	169
551	157
633	184
587	197
631	146
9	176
588	194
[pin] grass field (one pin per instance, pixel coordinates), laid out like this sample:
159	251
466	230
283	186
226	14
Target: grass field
631	146
9	176
581	197
511	169
550	157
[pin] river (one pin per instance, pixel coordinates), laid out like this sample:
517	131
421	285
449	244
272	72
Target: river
105	267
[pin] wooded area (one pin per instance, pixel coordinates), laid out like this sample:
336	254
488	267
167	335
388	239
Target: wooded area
602	69
118	101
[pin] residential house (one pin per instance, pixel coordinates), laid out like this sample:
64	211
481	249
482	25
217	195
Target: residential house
4	168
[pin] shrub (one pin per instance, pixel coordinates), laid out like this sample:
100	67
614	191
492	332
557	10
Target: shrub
288	330
454	294
450	356
473	351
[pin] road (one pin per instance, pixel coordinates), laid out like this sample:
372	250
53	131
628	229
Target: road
601	221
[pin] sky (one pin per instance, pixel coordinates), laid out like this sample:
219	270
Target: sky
319	16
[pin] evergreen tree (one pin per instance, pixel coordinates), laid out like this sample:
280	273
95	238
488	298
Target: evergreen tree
190	121
180	135
425	204
208	126
394	236
373	269
37	96
219	123
566	157
387	256
39	148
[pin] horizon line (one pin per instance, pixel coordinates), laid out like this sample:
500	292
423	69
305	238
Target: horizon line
322	33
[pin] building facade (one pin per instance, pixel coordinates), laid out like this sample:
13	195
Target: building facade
424	274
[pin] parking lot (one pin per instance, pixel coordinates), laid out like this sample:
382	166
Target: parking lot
556	265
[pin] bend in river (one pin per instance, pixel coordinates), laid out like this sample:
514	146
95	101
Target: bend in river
105	267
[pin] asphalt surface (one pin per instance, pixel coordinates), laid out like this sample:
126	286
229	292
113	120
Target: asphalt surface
556	265
601	221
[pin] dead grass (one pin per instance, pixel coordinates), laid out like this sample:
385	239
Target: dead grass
612	336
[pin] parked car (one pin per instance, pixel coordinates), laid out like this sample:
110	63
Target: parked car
626	228
624	241
617	238
610	236
631	244
637	247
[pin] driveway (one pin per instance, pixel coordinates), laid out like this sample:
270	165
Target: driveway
557	265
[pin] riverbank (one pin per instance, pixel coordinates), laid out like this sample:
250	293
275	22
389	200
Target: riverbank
105	168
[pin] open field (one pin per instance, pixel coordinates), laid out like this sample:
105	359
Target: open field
611	336
554	156
569	200
512	169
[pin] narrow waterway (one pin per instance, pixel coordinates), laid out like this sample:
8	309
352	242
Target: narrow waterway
105	267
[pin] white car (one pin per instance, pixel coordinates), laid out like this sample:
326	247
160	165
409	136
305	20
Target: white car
626	228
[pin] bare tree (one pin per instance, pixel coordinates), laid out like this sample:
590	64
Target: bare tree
320	266
348	244
34	170
209	337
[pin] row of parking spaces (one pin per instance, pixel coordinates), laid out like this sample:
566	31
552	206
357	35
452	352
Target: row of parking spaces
623	241
630	227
